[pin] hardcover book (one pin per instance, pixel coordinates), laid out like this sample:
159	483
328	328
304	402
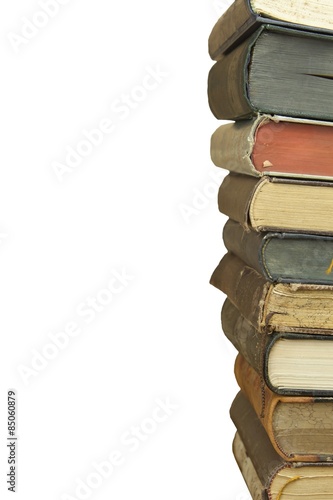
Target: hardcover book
267	475
269	307
289	363
275	71
300	429
278	203
276	146
283	257
245	16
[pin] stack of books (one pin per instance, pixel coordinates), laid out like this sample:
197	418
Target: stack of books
273	75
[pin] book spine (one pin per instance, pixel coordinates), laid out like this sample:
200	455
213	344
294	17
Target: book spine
227	89
246	288
235	195
245	338
238	15
254	388
247	469
266	461
232	145
247	245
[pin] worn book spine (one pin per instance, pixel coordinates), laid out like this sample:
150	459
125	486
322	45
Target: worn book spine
227	94
244	462
232	145
245	338
234	23
235	196
247	245
244	286
266	461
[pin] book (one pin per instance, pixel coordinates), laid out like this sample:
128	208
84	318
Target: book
269	307
282	257
266	473
245	16
291	364
278	203
275	71
300	428
275	145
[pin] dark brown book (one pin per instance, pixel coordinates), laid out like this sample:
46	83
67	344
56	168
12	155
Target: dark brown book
299	427
272	307
267	475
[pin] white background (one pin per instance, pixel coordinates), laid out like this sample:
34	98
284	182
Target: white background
141	204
